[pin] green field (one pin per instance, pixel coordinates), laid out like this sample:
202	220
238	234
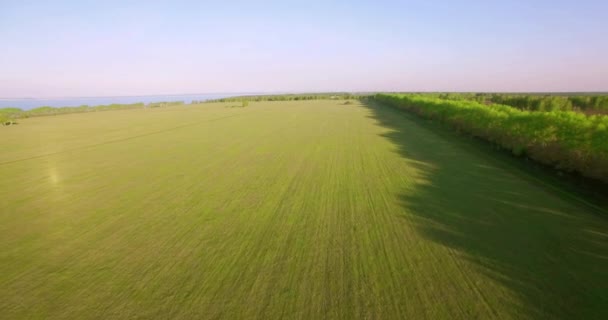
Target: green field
300	209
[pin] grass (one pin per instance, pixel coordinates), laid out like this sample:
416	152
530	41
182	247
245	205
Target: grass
302	209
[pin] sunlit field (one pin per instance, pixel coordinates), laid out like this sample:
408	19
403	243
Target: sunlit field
297	209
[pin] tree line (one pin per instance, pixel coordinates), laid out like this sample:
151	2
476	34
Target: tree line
589	104
12	114
291	97
566	140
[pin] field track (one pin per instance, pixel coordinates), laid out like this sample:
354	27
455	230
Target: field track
304	209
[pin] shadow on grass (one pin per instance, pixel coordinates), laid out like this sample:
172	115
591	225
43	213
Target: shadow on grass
547	248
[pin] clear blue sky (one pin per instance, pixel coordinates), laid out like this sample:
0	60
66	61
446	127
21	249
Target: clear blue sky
97	48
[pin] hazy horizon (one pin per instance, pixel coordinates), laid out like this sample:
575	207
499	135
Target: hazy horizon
291	93
87	49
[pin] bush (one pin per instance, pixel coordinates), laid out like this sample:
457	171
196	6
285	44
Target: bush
245	103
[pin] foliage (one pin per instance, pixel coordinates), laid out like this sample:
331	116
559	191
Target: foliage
536	102
163	104
15	113
566	140
7	115
292	97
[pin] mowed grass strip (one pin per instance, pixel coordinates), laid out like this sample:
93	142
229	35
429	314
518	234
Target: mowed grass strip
309	209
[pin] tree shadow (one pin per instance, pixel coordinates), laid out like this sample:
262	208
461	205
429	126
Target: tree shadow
531	237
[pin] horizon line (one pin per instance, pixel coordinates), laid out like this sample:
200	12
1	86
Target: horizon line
298	92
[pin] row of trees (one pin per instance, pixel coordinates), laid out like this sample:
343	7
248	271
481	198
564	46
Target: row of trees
291	97
566	140
163	104
10	114
585	103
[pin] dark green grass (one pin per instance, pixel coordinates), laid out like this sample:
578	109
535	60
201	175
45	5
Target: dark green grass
284	210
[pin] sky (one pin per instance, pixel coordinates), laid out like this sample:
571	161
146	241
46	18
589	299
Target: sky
111	48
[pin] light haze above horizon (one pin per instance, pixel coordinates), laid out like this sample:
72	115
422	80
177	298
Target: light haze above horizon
111	48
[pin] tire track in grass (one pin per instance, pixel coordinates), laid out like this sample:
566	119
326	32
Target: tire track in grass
395	239
284	206
217	173
245	254
301	214
243	280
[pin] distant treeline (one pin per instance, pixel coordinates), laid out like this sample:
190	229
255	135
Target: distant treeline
566	140
292	97
10	114
165	104
536	102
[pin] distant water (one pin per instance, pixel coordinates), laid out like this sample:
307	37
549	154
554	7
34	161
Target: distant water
28	103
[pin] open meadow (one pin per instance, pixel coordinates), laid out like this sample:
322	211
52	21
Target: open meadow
289	209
